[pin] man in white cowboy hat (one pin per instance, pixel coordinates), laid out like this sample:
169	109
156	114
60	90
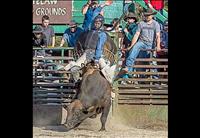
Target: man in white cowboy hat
147	36
71	34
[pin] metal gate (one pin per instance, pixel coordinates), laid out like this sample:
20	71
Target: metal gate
51	88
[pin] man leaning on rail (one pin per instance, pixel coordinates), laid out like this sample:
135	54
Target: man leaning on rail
147	36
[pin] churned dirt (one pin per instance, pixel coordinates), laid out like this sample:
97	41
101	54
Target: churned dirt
116	127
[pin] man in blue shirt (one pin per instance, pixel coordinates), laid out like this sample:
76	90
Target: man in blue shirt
71	34
91	10
105	67
98	26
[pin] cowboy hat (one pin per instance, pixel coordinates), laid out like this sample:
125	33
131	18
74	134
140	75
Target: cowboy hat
149	12
37	29
165	23
130	15
72	23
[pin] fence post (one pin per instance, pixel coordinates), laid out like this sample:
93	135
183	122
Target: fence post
115	89
62	54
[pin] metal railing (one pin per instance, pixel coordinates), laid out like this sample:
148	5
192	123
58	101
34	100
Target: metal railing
146	87
51	86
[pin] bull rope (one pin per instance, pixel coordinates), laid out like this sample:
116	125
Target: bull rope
111	55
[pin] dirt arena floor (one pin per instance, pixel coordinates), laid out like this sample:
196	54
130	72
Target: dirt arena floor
116	127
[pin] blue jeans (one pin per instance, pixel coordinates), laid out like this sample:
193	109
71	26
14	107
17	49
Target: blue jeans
134	52
130	70
142	54
100	44
69	40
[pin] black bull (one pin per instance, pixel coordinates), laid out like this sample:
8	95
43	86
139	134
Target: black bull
94	94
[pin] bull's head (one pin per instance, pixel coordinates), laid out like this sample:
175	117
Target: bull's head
76	113
88	68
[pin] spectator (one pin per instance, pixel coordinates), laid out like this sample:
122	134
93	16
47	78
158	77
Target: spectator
164	45
164	35
91	10
146	36
48	31
115	23
129	31
115	29
39	40
71	34
129	6
163	40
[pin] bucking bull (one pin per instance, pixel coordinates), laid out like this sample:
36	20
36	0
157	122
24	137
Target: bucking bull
94	95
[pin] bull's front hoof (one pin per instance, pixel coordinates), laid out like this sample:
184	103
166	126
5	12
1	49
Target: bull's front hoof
102	129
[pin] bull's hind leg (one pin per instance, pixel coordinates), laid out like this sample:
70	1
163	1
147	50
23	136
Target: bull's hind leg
104	115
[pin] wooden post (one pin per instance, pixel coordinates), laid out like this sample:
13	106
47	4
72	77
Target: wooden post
151	55
115	84
62	54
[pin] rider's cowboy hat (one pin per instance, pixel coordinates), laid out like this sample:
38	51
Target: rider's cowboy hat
72	23
37	29
130	15
148	12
